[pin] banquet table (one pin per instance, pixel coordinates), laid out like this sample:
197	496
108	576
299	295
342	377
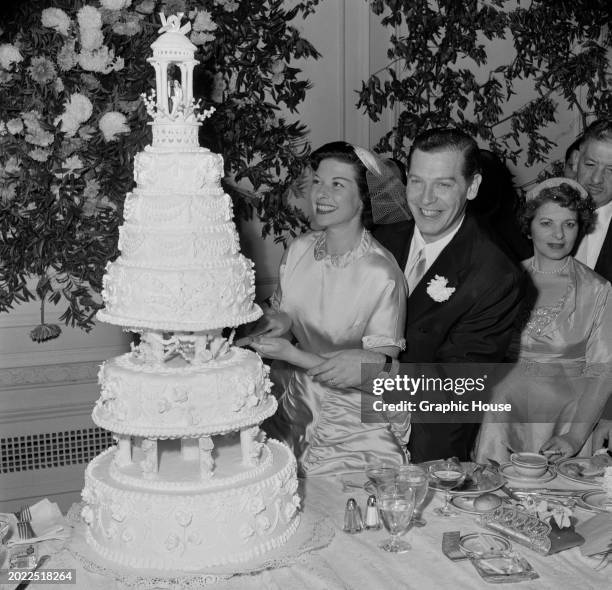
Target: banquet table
354	561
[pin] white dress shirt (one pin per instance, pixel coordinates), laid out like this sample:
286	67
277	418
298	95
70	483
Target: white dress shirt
590	246
432	249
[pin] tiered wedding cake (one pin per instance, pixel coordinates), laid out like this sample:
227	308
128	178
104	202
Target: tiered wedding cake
192	482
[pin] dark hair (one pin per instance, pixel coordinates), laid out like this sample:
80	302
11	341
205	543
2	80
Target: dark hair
344	152
439	139
565	196
574	147
600	130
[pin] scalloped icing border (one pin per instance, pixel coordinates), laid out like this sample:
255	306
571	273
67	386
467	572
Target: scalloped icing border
185	432
178	326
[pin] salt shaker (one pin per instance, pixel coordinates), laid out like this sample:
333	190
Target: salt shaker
372	520
353	523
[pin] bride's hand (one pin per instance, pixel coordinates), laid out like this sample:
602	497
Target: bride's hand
273	348
344	368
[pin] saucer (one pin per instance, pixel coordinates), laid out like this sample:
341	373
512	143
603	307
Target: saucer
466	504
509	472
571	469
597	500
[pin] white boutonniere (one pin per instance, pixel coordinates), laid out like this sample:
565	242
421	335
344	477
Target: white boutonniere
437	289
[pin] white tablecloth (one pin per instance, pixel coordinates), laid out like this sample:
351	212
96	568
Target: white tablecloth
354	562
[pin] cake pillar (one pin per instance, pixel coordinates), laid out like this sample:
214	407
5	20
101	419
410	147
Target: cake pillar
207	463
251	446
123	455
150	463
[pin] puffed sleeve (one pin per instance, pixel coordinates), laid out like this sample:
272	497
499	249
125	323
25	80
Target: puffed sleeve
386	324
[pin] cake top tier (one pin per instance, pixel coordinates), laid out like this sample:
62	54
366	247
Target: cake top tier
176	115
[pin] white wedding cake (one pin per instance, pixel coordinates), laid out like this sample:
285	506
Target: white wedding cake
192	483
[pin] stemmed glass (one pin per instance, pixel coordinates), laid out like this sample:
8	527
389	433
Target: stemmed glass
415	477
381	472
395	505
446	474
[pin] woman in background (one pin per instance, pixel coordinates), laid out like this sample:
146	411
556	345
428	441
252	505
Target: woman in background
563	345
339	289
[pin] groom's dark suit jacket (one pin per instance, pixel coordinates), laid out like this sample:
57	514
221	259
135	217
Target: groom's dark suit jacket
473	325
603	266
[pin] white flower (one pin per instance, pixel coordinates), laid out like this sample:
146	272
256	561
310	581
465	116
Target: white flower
228	5
67	57
69	166
9	54
39	155
78	109
115	4
437	289
146	7
201	38
204	22
14	126
56	18
90	28
100	60
112	124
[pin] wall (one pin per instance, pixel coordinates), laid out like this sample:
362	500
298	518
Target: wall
47	393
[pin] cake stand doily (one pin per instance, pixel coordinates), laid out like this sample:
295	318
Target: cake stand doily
313	533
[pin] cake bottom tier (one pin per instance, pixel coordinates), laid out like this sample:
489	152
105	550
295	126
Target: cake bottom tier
164	530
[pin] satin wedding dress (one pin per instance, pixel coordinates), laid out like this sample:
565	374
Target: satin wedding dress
356	300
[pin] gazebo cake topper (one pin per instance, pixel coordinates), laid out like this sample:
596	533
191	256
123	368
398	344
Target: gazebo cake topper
175	113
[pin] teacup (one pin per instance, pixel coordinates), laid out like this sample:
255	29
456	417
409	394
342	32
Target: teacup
529	464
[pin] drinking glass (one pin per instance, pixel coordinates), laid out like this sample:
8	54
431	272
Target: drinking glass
395	505
381	472
446	474
415	477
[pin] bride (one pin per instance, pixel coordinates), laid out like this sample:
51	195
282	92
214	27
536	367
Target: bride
339	289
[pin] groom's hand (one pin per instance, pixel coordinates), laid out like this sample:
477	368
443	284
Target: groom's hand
344	368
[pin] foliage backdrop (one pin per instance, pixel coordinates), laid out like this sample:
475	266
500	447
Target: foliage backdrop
439	73
71	121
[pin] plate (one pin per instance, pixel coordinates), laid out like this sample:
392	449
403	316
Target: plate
466	504
567	468
489	480
597	500
478	544
508	471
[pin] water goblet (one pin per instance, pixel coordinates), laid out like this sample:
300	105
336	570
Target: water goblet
446	474
381	471
395	505
415	477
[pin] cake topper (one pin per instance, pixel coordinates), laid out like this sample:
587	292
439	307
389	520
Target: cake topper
175	113
173	24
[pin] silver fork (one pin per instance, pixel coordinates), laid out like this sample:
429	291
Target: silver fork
24	530
24	514
25	517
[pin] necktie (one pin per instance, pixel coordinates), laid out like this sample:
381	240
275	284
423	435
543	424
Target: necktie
417	271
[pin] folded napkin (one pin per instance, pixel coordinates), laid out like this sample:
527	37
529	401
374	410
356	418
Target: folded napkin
46	521
597	532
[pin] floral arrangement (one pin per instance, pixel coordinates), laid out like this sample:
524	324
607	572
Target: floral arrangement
72	73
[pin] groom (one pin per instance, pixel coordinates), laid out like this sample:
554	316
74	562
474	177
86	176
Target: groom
474	323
